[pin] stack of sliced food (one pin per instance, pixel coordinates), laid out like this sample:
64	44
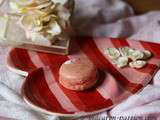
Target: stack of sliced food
44	21
125	56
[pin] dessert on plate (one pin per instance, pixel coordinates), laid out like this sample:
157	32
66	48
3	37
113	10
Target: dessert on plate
78	74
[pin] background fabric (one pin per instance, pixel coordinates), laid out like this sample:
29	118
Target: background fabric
98	18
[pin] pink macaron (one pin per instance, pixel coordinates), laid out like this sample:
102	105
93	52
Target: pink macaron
78	74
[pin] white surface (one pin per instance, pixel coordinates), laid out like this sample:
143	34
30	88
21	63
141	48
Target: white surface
111	18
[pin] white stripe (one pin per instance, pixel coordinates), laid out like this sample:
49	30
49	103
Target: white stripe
111	89
103	92
103	89
52	84
35	59
154	61
58	93
135	44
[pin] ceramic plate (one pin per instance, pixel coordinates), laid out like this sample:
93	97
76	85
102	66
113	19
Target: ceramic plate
43	92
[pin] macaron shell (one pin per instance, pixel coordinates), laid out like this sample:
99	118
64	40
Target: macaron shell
78	71
79	74
78	87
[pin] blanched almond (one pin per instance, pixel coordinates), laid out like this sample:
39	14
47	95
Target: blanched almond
113	53
147	54
126	51
136	55
122	61
137	64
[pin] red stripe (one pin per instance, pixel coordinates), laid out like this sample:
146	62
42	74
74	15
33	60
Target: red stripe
16	61
149	68
84	96
38	84
119	43
24	57
154	48
21	60
90	48
52	60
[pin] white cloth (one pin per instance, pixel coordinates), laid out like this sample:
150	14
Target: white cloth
110	18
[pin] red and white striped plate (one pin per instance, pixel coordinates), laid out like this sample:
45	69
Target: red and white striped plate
42	90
